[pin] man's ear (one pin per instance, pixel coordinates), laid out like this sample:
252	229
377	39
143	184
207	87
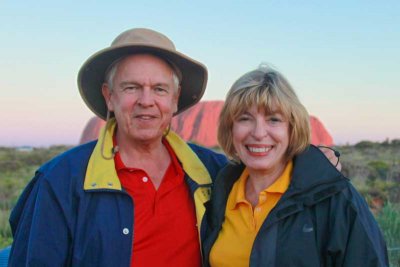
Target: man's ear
105	90
176	100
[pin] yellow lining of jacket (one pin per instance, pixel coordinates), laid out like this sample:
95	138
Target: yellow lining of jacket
101	173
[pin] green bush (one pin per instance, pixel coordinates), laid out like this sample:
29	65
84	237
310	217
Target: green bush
16	170
5	231
366	144
389	221
378	170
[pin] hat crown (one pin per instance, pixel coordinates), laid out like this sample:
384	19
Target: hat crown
142	36
192	74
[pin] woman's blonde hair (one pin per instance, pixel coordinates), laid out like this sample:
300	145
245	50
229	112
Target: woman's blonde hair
269	91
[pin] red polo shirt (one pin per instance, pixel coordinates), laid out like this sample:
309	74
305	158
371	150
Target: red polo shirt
165	232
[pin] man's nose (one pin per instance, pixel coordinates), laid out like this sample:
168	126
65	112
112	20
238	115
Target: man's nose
146	97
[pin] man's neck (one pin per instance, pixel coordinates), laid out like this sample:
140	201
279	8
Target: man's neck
152	157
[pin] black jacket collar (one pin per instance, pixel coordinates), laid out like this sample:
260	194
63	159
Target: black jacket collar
314	178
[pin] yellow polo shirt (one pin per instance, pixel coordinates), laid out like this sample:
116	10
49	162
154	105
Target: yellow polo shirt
242	222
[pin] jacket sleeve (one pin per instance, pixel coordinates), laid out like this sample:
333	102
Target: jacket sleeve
39	226
356	236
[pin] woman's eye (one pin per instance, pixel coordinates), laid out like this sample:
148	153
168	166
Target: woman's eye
274	120
243	118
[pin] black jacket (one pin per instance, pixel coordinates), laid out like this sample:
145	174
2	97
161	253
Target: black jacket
321	220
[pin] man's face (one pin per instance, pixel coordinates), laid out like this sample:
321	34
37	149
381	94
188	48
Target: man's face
143	98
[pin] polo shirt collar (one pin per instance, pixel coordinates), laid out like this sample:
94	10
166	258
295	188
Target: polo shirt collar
101	173
279	186
282	183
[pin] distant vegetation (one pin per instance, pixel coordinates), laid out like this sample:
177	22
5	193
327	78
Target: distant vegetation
374	168
17	167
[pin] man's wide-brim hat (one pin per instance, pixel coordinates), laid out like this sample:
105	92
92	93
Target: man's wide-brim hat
136	41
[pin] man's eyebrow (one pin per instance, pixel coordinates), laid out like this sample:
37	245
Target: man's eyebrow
162	84
124	83
128	83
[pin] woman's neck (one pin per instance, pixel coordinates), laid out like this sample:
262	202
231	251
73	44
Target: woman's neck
260	180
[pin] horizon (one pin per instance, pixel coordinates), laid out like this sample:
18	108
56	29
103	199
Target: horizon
81	133
342	58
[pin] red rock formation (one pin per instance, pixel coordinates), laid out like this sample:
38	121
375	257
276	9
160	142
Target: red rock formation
91	130
199	125
319	134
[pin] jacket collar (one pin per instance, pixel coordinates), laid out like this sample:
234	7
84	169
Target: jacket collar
191	163
101	173
314	178
312	172
312	168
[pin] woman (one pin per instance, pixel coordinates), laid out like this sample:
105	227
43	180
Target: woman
281	202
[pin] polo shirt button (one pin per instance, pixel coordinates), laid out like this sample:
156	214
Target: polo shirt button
125	231
258	209
145	179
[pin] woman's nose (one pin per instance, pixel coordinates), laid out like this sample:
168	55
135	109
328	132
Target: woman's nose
260	129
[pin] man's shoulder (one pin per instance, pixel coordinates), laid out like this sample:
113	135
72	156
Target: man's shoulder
62	175
199	150
76	157
212	160
67	170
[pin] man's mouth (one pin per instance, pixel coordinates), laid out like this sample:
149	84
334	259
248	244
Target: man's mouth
144	117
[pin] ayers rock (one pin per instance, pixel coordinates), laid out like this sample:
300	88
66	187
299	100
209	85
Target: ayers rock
199	125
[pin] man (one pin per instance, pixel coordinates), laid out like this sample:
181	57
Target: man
127	199
136	196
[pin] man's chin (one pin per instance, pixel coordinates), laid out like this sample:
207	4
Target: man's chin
146	136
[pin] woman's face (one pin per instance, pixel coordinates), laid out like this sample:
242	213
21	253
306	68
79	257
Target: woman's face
261	140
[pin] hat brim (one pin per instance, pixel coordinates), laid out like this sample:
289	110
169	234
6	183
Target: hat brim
91	75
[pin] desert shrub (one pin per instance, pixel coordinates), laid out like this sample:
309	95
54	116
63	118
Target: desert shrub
395	142
366	144
5	230
389	221
378	170
16	170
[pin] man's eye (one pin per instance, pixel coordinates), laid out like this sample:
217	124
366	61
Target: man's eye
160	89
130	88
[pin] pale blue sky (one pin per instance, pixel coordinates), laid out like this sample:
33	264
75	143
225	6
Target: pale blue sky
342	57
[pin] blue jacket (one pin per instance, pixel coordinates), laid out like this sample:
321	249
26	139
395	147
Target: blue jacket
4	254
72	214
